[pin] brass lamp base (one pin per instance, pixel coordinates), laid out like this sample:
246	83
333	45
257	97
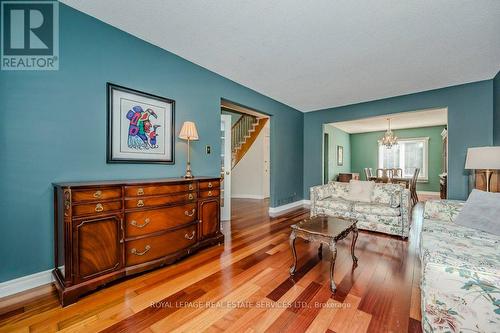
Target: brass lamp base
188	174
488	174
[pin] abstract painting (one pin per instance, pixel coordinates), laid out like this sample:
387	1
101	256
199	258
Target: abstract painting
140	127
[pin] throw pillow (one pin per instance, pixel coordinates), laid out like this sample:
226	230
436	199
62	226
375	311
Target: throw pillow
360	190
481	211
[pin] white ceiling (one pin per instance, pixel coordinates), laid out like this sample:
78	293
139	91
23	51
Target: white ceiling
425	118
323	53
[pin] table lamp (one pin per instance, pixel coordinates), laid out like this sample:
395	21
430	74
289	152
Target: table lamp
484	158
189	133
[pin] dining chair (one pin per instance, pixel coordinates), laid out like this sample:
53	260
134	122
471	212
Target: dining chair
368	173
413	186
397	172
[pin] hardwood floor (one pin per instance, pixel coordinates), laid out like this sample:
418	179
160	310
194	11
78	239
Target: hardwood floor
244	286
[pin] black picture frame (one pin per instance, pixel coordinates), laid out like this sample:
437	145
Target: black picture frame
110	88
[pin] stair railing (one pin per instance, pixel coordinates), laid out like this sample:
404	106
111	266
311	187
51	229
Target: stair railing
241	130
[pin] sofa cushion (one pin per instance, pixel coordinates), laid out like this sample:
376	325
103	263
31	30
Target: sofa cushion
335	204
459	300
442	210
376	209
339	190
460	247
481	211
387	194
360	190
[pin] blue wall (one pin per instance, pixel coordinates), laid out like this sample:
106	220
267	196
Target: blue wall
54	129
496	106
470	124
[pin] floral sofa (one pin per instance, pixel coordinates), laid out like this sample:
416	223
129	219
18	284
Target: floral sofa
388	212
460	273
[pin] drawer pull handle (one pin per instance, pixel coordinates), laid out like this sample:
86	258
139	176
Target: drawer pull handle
99	208
135	224
189	237
146	249
140	203
209	193
188	213
190	196
140	191
190	186
209	184
97	194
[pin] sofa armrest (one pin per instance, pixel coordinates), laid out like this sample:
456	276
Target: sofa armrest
442	210
405	207
318	192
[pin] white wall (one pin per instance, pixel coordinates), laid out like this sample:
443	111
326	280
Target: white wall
249	178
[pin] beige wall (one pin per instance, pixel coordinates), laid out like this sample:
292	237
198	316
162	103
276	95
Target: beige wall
249	177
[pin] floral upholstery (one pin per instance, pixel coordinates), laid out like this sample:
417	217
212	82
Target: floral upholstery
389	211
387	194
376	209
335	204
442	210
460	273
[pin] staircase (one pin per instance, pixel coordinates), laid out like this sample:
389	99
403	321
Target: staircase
243	135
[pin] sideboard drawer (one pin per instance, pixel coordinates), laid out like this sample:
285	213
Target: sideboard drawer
97	194
150	248
209	184
209	193
159	201
97	208
145	222
139	191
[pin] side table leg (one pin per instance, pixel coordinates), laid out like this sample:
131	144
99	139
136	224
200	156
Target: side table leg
333	248
320	251
294	254
353	245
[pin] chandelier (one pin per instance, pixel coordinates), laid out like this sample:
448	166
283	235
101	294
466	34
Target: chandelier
389	138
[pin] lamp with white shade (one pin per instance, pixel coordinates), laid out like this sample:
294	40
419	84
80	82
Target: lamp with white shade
483	158
189	133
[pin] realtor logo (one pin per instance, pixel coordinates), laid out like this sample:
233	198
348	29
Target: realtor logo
30	35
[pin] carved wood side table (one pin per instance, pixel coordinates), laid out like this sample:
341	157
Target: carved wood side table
325	230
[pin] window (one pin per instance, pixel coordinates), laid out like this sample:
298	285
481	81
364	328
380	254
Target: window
408	154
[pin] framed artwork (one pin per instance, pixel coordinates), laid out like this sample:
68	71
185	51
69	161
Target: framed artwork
141	127
340	155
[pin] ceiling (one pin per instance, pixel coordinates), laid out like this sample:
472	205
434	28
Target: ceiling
324	53
425	118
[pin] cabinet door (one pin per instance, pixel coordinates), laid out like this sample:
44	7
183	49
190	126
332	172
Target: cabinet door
97	246
209	217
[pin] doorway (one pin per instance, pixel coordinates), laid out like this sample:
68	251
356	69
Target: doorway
245	155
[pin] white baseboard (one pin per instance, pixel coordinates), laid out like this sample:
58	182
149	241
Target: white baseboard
275	211
248	196
428	193
25	282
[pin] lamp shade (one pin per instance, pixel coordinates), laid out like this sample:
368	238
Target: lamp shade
188	131
483	158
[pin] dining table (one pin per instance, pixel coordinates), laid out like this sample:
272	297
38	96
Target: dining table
406	181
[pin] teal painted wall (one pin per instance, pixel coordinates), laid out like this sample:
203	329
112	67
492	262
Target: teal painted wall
496	105
57	129
470	124
337	137
364	152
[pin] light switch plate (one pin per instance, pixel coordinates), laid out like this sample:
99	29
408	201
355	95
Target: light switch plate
208	149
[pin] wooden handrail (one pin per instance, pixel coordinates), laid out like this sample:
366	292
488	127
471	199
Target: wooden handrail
245	145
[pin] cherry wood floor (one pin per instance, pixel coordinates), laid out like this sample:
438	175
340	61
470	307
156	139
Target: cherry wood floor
244	286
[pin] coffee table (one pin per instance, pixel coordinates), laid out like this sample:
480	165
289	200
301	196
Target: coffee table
325	230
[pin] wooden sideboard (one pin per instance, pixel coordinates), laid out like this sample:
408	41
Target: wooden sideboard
107	230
